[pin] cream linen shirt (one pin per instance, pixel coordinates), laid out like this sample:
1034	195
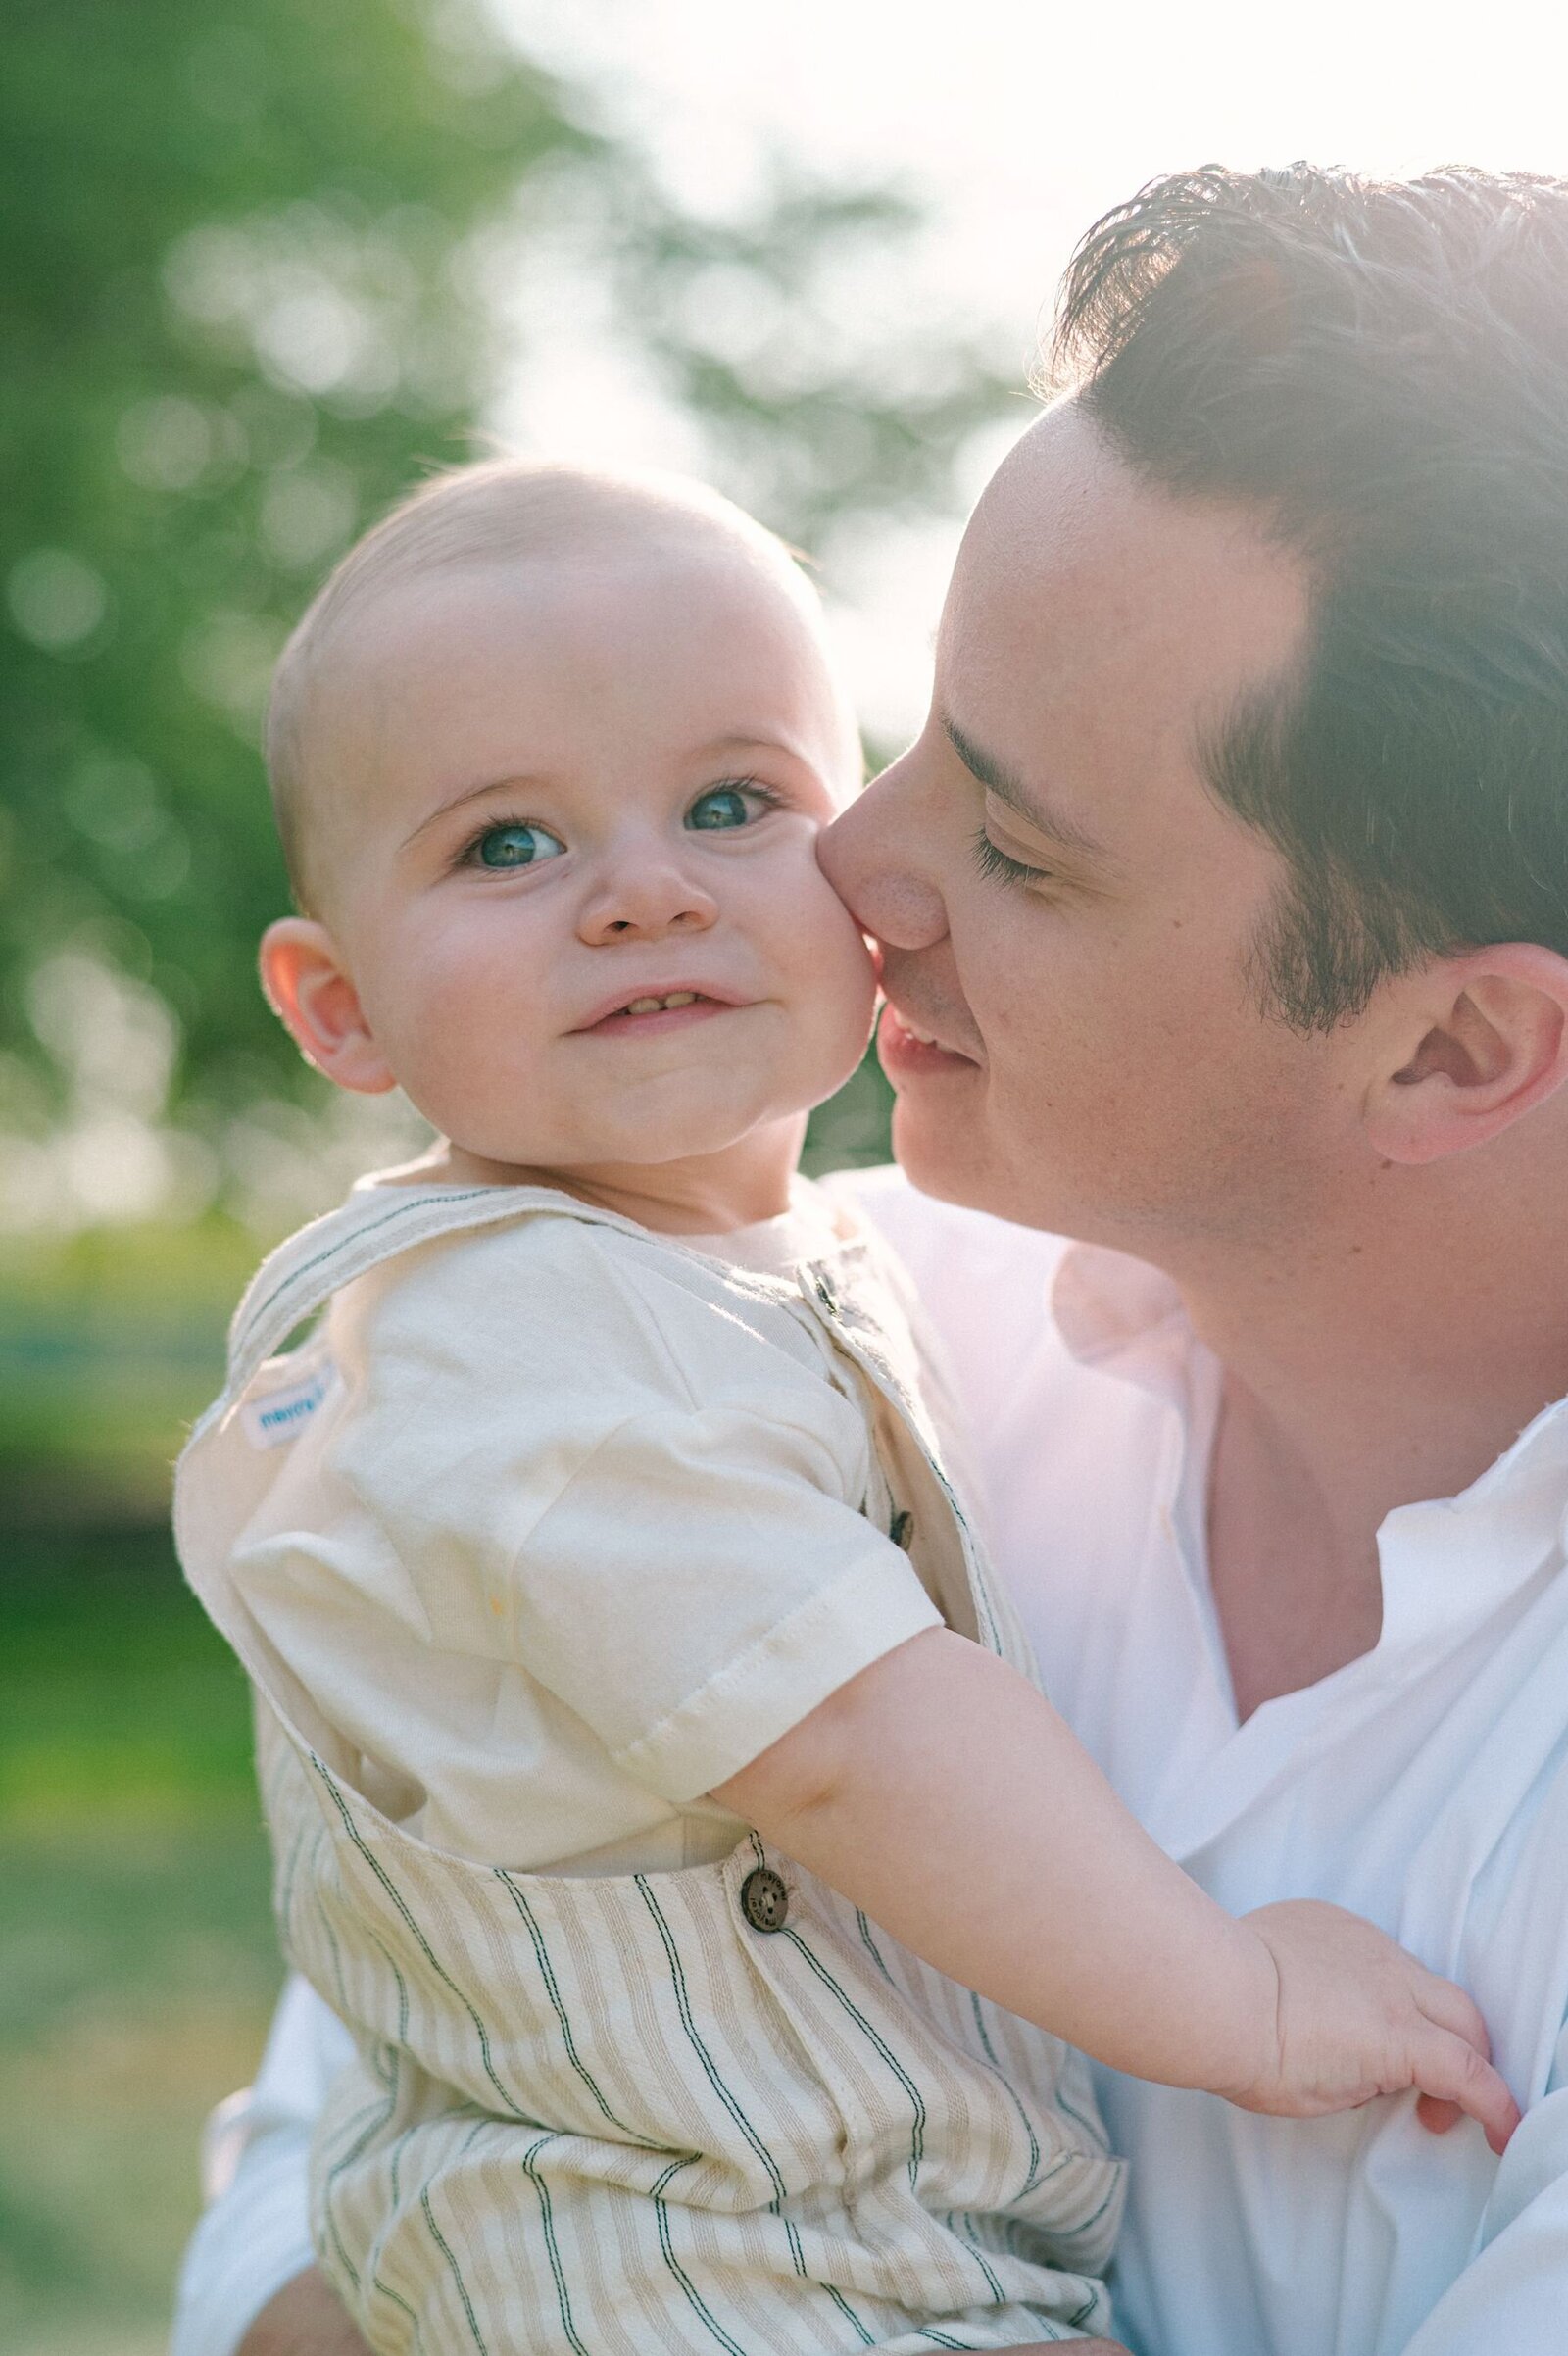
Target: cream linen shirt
1426	1783
657	1514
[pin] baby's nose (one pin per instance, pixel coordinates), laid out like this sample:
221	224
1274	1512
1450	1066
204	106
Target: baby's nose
646	904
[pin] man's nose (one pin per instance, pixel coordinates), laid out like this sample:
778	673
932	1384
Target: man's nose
645	898
874	857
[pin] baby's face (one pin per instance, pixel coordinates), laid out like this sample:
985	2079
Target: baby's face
570	832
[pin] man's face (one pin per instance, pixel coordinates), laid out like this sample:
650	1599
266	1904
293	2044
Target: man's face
1062	905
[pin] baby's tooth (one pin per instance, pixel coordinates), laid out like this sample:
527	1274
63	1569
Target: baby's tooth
645	1005
681	998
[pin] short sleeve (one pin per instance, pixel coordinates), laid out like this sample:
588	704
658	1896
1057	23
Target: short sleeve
700	1587
602	1462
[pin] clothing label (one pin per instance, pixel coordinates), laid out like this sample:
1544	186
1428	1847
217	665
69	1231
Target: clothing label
282	1415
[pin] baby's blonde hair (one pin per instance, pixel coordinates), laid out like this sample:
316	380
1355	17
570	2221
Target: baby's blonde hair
473	515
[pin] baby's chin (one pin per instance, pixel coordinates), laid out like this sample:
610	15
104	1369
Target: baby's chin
750	1097
650	1142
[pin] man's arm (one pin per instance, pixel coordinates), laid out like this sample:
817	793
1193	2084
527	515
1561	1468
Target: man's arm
305	2318
252	2243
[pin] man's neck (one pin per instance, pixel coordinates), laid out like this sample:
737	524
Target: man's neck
1363	1370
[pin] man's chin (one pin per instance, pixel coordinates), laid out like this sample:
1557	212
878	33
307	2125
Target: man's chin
947	1160
937	1160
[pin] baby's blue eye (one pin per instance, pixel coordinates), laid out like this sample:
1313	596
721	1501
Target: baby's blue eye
514	846
725	806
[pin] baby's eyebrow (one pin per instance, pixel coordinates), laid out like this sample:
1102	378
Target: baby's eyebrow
747	740
471	793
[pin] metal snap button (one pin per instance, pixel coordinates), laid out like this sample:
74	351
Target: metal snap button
825	1294
902	1530
764	1900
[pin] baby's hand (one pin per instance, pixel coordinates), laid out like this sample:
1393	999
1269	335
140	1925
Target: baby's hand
1355	2016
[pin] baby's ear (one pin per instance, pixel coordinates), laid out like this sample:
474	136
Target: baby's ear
313	995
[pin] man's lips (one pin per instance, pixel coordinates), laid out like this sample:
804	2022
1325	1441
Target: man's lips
907	1046
649	1007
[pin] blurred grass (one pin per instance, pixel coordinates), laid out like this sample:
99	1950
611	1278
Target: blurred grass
137	1961
111	1340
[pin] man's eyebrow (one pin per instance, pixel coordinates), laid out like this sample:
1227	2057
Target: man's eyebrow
1001	781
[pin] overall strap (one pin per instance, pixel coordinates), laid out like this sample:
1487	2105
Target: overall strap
373	1226
376	1223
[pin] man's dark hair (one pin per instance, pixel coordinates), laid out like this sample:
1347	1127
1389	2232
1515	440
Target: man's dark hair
1380	370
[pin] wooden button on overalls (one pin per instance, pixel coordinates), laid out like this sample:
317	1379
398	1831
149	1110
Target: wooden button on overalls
764	1900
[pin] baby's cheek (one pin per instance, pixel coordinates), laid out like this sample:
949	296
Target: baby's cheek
838	984
844	942
462	1041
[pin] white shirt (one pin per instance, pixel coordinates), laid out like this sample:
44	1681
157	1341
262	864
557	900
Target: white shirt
1425	1784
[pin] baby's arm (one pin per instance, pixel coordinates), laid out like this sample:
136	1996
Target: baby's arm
943	1794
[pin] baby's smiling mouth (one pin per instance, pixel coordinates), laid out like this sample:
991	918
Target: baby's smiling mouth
657	1010
657	1005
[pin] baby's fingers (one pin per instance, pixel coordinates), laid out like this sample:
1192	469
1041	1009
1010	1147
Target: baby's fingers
1448	2069
1449	2007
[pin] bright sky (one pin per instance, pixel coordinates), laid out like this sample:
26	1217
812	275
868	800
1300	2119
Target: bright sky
1021	122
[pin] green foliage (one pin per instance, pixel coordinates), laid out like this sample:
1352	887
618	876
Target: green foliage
770	326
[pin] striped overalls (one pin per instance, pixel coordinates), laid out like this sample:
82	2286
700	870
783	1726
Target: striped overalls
713	2109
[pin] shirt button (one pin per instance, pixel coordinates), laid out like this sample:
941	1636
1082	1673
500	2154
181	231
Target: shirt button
764	1900
902	1530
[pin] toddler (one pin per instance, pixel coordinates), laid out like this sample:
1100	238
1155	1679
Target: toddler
657	1785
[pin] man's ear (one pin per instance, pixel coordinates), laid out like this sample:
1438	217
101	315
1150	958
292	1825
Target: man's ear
1485	1040
309	990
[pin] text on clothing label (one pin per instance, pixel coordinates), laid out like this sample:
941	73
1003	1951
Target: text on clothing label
282	1415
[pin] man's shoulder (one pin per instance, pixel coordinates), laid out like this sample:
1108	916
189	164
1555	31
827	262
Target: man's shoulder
987	1322
1027	1324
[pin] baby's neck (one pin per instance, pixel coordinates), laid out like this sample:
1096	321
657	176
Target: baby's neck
709	1194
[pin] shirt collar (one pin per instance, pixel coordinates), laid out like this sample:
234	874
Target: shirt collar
1446	1561
1450	1560
1120	1316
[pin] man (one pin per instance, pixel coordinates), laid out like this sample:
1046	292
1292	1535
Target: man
1223	905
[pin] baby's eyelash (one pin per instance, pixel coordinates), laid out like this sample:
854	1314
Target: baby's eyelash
996	864
745	785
